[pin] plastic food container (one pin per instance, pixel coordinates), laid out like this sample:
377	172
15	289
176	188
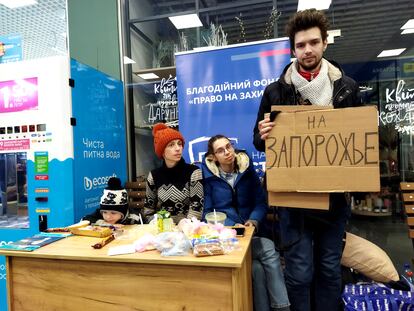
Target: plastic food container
216	218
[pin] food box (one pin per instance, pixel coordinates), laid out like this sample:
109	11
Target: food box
93	231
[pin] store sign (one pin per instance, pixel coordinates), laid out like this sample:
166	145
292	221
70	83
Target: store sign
162	102
399	108
18	95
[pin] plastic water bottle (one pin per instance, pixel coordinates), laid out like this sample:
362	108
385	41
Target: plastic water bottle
408	273
352	203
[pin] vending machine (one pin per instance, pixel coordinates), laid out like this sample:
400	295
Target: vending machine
62	136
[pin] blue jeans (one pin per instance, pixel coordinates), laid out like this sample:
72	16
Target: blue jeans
269	290
314	262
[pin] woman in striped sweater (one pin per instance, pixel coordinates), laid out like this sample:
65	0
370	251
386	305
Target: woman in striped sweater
176	186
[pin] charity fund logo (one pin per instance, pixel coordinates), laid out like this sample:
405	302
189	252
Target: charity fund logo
96	182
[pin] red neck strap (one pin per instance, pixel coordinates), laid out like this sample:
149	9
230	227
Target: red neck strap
309	75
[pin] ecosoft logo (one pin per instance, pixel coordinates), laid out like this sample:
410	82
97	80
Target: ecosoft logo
87	183
96	182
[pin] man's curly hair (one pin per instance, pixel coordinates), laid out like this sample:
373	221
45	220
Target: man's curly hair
304	20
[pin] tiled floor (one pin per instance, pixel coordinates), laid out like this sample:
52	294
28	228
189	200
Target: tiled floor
390	233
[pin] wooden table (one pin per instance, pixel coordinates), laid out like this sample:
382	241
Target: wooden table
70	275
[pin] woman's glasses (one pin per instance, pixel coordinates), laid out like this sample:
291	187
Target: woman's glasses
220	151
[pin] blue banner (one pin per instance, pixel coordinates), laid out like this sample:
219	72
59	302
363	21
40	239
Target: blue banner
219	92
99	135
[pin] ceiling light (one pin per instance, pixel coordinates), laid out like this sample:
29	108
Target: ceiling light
408	24
127	60
12	4
407	31
148	76
313	4
394	52
332	34
186	21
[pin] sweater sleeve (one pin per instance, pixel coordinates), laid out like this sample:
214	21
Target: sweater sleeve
150	202
196	195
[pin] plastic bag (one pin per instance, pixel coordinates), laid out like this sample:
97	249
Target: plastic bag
145	243
172	244
376	297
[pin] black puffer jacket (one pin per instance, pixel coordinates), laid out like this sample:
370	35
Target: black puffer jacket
282	92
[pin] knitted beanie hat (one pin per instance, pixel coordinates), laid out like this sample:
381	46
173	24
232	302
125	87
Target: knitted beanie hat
114	198
162	136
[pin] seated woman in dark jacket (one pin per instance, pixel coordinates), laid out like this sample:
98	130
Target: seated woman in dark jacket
232	186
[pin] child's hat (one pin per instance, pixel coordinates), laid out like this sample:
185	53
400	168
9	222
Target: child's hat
162	136
115	197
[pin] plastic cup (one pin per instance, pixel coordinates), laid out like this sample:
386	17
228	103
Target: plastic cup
217	217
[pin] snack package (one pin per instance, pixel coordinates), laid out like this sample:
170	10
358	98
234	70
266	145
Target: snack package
82	223
103	242
208	248
93	231
212	247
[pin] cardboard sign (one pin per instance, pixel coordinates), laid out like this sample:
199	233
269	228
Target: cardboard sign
313	200
328	150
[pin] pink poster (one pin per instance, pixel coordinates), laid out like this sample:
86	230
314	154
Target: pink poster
15	144
18	95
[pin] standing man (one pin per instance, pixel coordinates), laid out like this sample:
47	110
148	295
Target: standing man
312	239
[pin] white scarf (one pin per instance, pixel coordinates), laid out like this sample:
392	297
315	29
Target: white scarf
319	90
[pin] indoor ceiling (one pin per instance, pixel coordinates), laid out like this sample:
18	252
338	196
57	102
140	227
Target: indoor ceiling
367	27
42	27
